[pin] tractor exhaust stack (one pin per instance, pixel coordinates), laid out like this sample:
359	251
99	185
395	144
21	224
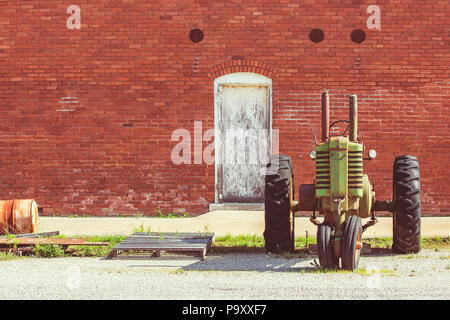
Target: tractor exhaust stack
325	116
353	117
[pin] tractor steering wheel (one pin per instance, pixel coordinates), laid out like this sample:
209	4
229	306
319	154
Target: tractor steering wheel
345	131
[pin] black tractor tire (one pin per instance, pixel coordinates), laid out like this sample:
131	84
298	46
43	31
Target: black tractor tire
324	249
406	196
351	243
278	217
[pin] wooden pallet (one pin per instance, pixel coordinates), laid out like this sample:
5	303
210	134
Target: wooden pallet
159	242
55	241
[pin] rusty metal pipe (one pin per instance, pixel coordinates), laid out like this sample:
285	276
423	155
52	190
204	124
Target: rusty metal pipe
325	116
353	117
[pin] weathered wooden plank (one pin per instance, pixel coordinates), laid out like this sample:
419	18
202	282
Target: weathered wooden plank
34	235
158	247
172	234
172	249
165	241
56	241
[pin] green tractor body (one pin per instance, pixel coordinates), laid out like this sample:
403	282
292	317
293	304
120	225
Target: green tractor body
340	182
343	195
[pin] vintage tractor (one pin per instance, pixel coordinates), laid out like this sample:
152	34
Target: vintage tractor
343	195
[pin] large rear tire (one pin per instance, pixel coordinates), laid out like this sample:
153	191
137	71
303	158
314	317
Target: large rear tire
278	196
406	196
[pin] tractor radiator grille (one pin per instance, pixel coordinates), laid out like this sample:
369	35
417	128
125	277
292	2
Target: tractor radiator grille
355	169
323	170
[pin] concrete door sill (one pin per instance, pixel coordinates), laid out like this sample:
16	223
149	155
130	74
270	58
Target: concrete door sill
236	206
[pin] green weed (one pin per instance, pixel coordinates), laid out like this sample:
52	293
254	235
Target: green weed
7	256
48	250
169	215
12	240
177	271
140	228
361	271
97	251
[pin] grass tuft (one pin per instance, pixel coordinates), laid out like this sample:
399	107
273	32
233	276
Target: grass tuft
97	251
361	271
169	215
48	251
7	256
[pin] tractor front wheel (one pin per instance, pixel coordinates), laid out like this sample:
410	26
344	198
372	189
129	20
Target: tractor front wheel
324	248
351	243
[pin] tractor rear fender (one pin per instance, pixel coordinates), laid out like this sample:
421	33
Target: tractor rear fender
366	202
307	198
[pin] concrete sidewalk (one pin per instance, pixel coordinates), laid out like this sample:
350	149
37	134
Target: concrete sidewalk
219	222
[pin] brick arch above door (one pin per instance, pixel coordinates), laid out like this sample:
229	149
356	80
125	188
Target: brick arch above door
244	65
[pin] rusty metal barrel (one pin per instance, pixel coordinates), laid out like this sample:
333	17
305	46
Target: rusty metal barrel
5	215
18	216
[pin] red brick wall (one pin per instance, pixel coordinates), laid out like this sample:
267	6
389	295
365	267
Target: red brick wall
133	71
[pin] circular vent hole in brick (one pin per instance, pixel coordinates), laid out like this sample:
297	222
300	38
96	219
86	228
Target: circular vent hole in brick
316	35
196	35
358	36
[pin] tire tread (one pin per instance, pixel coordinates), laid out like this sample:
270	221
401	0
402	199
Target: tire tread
407	220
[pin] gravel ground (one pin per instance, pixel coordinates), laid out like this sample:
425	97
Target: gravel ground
225	276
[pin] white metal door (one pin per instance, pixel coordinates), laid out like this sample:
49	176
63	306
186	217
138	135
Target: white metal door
245	133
